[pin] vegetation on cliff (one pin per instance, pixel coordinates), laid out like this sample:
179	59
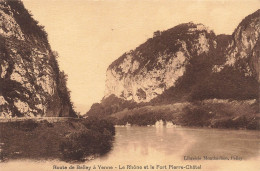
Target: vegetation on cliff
204	67
234	114
31	83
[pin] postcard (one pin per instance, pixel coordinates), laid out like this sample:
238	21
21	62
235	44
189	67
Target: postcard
129	85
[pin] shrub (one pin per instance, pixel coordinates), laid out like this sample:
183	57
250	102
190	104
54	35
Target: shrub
68	140
99	125
48	124
78	145
26	125
253	124
95	137
241	122
195	117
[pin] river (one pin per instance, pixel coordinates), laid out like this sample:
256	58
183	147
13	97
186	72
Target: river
168	148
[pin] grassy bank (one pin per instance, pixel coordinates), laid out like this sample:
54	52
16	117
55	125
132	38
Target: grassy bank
213	113
68	140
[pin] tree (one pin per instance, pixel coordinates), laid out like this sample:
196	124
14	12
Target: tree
157	33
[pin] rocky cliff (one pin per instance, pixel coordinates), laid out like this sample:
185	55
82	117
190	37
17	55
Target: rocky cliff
242	52
187	50
157	64
186	63
31	83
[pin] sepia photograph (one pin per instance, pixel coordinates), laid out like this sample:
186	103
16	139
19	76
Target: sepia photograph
129	85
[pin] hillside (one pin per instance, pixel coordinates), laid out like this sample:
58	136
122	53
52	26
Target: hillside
186	63
31	83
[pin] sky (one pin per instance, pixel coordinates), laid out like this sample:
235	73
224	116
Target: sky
90	34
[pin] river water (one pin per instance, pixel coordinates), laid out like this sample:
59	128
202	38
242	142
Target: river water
169	148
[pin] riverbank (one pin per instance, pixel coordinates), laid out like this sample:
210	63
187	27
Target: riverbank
214	113
141	146
67	139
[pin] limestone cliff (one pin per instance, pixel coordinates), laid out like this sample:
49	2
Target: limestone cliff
31	83
242	52
179	56
157	64
186	63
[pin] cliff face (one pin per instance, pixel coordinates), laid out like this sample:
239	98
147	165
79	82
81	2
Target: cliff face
189	61
242	52
30	81
157	64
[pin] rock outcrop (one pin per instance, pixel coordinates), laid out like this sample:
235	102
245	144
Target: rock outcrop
31	83
157	64
187	50
242	52
186	63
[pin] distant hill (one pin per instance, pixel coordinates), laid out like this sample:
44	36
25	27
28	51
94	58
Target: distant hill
31	83
188	62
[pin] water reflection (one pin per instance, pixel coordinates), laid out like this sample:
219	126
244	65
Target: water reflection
164	146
